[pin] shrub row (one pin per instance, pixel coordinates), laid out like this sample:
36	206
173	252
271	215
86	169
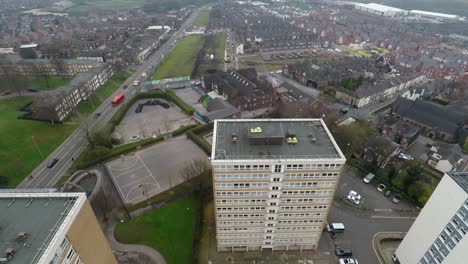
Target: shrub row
200	141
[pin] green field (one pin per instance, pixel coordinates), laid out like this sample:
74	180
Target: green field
106	5
102	93
217	49
202	19
18	155
169	229
51	83
181	60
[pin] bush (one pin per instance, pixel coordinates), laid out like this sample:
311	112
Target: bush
203	129
201	142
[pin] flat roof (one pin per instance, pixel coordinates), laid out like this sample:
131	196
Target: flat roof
433	14
382	8
257	139
38	214
461	178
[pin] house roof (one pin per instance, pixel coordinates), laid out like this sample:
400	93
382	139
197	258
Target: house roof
429	114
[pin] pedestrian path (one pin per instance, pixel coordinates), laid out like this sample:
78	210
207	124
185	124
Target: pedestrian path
153	254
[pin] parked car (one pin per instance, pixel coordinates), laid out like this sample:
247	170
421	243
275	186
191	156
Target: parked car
344	110
388	193
354	197
369	177
134	138
396	198
335	228
381	187
348	261
405	156
52	163
343	252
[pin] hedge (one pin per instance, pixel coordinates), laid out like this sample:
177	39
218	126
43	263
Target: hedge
201	142
203	128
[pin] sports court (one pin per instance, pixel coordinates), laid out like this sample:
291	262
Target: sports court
150	171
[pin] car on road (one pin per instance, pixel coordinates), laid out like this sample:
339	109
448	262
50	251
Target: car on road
134	138
348	261
354	197
388	193
52	163
368	178
124	87
381	187
335	228
97	115
343	252
396	198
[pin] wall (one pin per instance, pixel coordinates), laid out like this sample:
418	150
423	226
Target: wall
443	204
87	238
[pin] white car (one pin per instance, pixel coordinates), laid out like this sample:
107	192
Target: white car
134	138
381	187
348	261
354	197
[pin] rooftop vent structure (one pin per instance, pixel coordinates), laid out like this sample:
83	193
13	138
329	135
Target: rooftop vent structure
256	130
234	138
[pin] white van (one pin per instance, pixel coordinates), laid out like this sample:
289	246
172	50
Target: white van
368	178
335	228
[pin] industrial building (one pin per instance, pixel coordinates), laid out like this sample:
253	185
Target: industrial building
439	233
432	15
380	10
274	182
48	227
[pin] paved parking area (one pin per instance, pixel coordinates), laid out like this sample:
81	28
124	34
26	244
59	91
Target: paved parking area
373	200
153	170
153	120
376	214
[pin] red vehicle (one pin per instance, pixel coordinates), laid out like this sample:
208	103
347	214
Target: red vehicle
118	99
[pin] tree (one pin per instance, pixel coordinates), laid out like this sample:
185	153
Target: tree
420	192
198	175
28	53
351	138
60	66
42	73
11	78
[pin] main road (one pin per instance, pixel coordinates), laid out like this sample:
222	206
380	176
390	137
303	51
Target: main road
72	147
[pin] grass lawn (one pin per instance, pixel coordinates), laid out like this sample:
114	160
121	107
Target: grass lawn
181	60
217	51
106	5
53	83
18	155
169	229
102	93
202	19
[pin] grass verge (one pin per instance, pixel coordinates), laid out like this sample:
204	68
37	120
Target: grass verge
202	19
105	5
18	152
169	229
181	60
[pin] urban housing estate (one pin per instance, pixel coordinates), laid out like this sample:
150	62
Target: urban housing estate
47	227
274	182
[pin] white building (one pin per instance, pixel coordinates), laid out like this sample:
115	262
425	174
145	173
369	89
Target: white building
426	14
274	182
380	10
439	233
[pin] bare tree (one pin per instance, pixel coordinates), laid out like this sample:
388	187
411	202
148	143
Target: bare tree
11	78
197	174
42	73
60	66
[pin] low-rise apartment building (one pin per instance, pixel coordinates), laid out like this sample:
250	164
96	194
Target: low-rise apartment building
58	104
47	227
274	182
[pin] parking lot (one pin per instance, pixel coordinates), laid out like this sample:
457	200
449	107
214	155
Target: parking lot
153	170
376	214
152	120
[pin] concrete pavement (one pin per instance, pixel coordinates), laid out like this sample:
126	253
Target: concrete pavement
76	142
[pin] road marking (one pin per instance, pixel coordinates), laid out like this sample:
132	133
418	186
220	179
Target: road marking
392	217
